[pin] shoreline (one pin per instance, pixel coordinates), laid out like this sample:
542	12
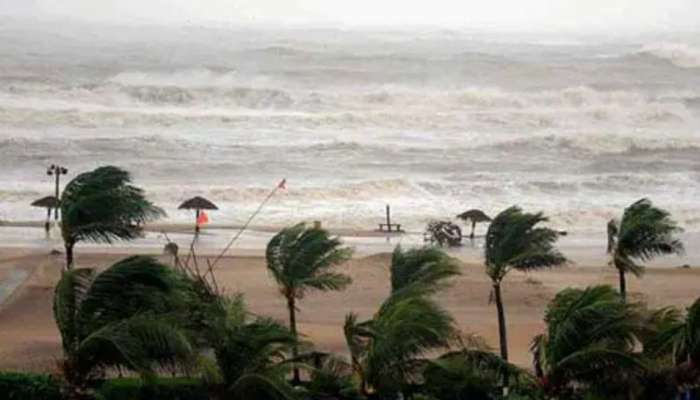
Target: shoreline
579	248
182	227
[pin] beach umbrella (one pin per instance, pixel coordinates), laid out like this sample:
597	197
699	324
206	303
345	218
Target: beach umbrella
49	203
475	216
197	203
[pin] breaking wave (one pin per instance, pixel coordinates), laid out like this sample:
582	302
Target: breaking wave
148	103
195	77
679	54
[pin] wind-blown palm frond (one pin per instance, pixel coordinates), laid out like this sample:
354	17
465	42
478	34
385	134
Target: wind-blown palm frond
244	345
357	335
405	330
68	297
693	331
140	343
103	206
676	338
470	373
514	241
299	258
128	287
260	387
644	232
662	333
426	267
259	347
590	339
331	377
569	320
119	318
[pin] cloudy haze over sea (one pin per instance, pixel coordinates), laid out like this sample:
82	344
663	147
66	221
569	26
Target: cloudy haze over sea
433	121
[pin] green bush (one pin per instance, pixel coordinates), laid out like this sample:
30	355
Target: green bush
162	388
21	386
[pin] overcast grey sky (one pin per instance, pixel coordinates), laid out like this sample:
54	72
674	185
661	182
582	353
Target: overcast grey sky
595	15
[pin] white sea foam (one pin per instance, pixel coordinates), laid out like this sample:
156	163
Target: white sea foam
357	121
680	54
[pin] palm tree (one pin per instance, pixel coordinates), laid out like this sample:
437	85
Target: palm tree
301	259
590	342
103	206
251	352
121	317
425	269
473	372
644	232
675	338
386	351
515	241
330	378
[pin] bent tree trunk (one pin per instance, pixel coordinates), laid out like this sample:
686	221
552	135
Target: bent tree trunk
623	284
293	327
502	334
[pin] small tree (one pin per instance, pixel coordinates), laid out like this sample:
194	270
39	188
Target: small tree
644	232
301	259
251	352
118	318
675	342
515	241
103	206
386	350
589	344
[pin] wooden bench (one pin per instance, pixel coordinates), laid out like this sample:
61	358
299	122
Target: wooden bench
396	227
388	225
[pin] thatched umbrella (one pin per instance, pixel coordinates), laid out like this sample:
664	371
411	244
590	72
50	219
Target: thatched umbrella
475	216
49	203
197	203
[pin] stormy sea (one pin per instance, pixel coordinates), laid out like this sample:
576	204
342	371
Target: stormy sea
432	122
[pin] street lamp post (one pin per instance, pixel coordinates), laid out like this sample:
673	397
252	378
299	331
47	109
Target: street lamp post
56	170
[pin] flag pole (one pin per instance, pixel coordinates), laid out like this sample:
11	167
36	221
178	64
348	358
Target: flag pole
279	186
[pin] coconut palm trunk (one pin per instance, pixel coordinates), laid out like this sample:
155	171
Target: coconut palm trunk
69	255
623	284
291	306
502	333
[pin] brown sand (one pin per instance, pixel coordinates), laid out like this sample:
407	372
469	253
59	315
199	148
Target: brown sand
29	339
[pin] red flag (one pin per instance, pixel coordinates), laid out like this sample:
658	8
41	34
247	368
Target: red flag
283	184
203	218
